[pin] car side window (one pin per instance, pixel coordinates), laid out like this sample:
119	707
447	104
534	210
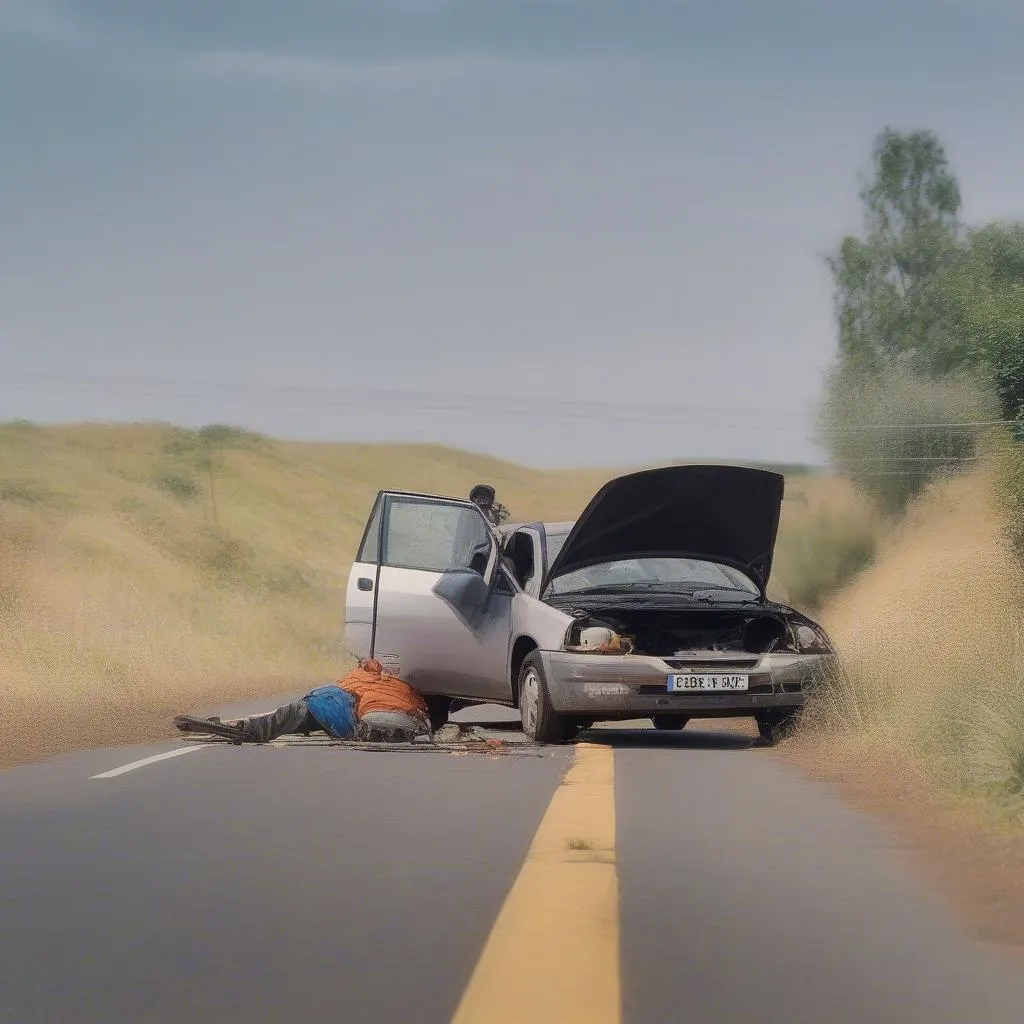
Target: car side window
371	539
435	537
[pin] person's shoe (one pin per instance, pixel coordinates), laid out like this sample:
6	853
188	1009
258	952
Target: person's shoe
210	727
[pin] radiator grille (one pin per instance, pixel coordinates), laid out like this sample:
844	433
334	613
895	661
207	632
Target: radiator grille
732	665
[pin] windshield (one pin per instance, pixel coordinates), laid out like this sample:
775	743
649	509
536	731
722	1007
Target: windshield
685	574
555	543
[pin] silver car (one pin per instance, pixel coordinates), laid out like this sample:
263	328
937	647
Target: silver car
651	605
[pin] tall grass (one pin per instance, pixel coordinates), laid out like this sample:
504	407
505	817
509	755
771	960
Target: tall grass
825	554
1009	459
931	640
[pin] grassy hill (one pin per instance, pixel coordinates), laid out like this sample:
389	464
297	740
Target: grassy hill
146	569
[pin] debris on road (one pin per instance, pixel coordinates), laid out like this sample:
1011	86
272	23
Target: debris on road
460	740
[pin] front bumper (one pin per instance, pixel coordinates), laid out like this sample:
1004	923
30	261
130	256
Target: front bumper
636	686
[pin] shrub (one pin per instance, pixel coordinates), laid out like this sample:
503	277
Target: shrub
287	580
223	556
822	556
25	492
182	488
894	432
17	429
220	435
1010	492
215	437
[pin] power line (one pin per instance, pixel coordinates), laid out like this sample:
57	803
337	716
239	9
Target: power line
361	395
927	426
906	458
694	417
423	401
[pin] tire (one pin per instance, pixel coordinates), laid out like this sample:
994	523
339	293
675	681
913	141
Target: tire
438	710
774	726
541	723
669	723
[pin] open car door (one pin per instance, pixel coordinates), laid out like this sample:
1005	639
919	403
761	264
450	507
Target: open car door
426	597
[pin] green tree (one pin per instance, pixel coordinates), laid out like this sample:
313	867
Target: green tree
913	330
989	290
891	303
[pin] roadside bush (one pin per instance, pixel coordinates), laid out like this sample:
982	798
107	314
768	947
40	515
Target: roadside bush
182	488
892	433
229	560
822	556
953	704
25	492
1010	491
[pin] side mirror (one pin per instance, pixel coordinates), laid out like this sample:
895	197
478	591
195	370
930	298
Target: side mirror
478	563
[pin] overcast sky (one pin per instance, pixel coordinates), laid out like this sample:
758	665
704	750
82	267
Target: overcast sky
608	216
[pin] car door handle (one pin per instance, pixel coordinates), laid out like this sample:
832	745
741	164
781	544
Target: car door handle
364	584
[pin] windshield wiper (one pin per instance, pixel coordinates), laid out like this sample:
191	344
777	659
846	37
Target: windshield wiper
703	595
607	588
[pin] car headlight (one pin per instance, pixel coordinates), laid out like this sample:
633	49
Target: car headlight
810	638
587	636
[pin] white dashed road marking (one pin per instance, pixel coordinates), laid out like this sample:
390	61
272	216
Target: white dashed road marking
147	760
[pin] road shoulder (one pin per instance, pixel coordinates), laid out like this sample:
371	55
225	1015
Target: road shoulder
973	862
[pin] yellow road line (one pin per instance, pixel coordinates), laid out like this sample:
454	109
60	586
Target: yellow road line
553	954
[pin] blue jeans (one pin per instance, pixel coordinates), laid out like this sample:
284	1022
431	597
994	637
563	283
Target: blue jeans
282	721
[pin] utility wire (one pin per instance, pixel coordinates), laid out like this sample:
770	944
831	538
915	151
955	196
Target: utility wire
367	398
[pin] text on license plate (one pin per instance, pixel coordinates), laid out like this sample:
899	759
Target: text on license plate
687	681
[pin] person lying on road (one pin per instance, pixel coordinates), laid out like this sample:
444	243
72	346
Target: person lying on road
368	705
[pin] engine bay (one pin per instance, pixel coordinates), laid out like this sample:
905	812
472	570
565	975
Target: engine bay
679	633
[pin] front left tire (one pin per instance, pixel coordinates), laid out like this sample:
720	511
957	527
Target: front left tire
541	723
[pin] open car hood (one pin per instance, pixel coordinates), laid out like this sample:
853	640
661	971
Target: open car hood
725	514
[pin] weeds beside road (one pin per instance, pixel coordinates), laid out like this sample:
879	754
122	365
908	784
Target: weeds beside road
930	637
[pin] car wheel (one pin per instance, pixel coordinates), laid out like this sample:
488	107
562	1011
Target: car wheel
777	725
668	723
541	723
438	710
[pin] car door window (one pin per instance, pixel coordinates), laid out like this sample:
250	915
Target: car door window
435	537
371	537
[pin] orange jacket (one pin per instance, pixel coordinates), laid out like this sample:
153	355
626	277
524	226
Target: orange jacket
375	690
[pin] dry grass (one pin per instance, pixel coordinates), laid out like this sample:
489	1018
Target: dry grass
146	570
931	639
827	535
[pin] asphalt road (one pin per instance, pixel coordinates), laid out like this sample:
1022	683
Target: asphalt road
272	884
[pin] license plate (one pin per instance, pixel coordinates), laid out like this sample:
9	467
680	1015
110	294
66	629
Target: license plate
686	682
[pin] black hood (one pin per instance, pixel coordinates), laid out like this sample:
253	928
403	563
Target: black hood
724	514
